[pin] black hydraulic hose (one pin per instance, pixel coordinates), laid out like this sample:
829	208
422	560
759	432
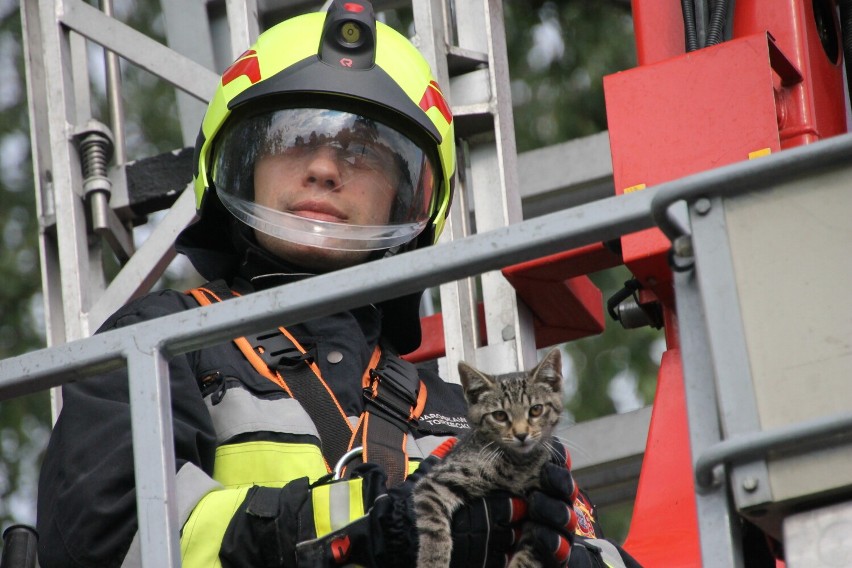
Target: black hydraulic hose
846	33
718	18
701	11
689	25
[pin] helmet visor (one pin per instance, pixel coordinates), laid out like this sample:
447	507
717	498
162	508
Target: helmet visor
324	178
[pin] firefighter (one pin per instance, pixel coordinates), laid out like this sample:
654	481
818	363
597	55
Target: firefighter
327	144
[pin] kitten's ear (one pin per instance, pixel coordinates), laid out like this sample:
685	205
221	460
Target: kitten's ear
473	382
549	370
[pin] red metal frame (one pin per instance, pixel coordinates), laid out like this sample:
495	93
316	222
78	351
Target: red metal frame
664	527
814	108
566	305
771	87
684	115
564	301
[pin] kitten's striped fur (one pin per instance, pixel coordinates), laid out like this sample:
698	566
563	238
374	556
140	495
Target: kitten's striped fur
512	417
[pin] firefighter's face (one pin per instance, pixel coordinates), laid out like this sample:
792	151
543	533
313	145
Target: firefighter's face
325	184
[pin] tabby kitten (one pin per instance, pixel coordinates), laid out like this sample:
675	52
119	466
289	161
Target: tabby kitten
512	417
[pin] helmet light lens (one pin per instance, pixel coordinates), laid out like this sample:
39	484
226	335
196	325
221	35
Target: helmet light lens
350	33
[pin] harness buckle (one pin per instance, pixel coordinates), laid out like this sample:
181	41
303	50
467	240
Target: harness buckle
393	391
277	350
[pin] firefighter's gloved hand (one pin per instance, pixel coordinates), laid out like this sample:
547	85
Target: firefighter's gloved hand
483	532
551	521
271	524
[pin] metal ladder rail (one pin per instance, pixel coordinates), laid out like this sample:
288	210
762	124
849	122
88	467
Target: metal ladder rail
458	299
511	341
77	298
473	68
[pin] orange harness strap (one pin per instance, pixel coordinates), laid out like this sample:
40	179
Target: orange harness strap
394	397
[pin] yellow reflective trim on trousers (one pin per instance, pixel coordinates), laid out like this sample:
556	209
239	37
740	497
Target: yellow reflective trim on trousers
337	504
266	463
202	534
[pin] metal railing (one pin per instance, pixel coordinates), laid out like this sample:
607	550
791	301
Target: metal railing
146	347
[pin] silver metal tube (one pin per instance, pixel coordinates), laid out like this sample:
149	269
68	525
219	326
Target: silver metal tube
113	88
749	446
719	528
744	176
322	295
153	455
330	293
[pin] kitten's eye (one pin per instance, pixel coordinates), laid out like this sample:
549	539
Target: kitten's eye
500	416
536	410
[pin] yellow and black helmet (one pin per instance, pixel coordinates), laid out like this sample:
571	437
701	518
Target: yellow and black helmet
341	81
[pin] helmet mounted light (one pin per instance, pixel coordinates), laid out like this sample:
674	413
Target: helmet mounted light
349	35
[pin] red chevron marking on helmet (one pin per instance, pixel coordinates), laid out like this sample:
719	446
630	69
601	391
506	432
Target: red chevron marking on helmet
246	64
432	97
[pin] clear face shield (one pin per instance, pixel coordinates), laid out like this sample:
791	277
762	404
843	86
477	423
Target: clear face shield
324	178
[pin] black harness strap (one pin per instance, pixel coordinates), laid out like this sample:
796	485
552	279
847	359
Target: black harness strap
283	357
393	400
292	369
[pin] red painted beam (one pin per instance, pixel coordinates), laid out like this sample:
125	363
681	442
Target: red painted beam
565	303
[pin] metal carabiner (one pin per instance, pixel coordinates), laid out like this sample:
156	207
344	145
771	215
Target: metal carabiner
345	459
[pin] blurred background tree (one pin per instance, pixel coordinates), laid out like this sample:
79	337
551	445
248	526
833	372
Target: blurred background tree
559	50
24	422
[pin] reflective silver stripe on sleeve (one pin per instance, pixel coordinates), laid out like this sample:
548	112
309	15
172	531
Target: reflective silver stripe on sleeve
192	485
608	551
240	412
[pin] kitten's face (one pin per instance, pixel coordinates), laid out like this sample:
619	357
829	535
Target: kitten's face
516	410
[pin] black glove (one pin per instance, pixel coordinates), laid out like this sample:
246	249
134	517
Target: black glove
551	519
483	532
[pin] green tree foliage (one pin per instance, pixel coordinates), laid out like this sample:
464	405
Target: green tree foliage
23	421
559	53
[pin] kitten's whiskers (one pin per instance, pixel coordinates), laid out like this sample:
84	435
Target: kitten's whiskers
571	447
